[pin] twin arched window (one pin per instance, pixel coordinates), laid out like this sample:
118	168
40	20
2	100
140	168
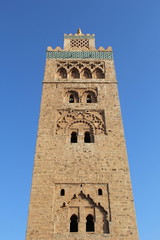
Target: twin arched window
87	97
88	137
74	223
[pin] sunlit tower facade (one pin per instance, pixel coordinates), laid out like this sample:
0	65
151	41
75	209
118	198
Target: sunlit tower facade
81	188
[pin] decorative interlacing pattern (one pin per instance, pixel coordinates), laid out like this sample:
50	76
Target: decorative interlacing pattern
77	69
79	55
81	65
67	118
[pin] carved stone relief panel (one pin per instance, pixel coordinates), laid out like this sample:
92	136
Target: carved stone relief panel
68	119
81	201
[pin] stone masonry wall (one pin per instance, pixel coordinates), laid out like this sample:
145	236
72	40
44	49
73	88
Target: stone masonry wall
81	168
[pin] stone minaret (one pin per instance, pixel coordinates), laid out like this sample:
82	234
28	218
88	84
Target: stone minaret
81	188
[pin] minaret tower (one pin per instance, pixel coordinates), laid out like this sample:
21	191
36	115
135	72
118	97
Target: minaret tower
81	188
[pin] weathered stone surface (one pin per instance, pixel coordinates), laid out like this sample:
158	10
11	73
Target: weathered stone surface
81	178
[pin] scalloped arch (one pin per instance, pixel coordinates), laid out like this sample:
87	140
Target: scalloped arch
98	73
86	73
62	72
91	125
95	121
74	73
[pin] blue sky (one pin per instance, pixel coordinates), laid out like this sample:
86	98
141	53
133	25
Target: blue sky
132	28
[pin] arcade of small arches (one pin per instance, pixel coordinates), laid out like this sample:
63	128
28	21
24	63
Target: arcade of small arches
85	73
74	96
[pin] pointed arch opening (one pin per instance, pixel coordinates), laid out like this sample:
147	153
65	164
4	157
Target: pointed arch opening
89	223
62	73
75	73
74	223
74	137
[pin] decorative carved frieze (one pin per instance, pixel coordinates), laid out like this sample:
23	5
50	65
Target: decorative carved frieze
81	65
68	118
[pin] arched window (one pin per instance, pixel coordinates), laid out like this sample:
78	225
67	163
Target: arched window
71	98
62	73
87	73
74	137
74	223
100	192
62	193
88	138
75	73
89	223
99	73
89	98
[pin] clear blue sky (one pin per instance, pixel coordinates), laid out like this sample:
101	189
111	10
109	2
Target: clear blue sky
132	28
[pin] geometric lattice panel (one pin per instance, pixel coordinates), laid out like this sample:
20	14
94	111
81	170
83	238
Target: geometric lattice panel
79	55
79	43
